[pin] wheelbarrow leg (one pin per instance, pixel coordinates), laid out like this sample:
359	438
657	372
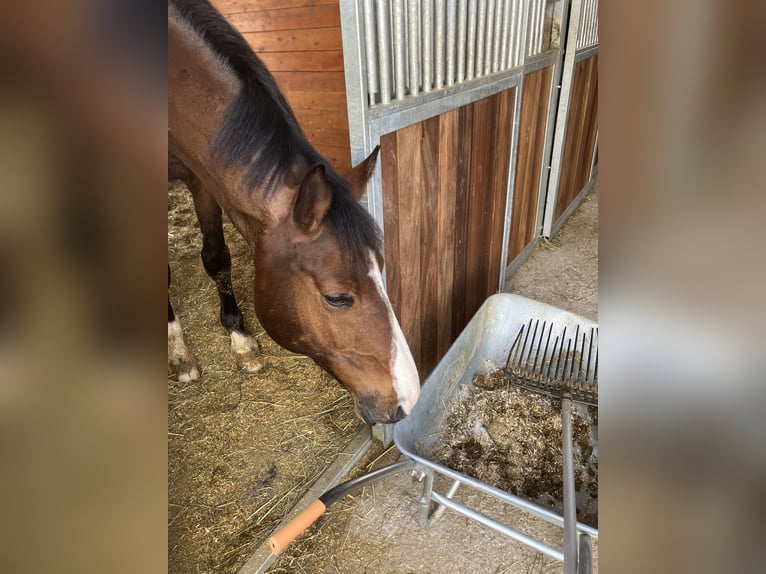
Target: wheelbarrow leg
429	511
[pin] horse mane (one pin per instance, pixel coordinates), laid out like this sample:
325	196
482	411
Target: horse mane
260	130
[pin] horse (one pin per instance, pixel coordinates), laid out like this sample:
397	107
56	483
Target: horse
317	253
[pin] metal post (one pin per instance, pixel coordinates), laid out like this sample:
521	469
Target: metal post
355	73
563	114
514	153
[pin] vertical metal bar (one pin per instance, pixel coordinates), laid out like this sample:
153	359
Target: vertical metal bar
515	32
413	45
369	44
540	26
535	28
594	24
439	47
489	36
531	27
570	29
480	37
506	24
384	50
451	43
470	54
428	39
462	15
399	48
497	38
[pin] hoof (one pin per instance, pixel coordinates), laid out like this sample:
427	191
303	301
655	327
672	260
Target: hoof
180	358
185	369
247	353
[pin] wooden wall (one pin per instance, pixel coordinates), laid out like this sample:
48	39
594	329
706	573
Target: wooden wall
300	43
444	191
534	116
580	135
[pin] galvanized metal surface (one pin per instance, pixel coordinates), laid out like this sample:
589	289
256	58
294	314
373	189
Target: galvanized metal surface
384	50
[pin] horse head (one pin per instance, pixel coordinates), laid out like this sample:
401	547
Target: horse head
319	290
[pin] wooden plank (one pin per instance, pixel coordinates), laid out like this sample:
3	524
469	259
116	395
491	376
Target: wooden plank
338	156
316	100
310	81
319	39
409	172
504	122
326	61
449	148
575	155
427	189
464	135
324	126
389	162
227	7
322	118
484	129
534	110
304	17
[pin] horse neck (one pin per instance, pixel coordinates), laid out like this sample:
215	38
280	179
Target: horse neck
200	90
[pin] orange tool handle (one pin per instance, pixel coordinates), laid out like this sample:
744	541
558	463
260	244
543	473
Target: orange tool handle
296	526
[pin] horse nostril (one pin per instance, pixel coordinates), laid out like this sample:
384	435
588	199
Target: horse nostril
399	415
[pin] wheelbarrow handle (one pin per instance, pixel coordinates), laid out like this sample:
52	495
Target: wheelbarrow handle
296	526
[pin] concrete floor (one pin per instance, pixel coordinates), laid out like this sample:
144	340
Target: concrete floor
378	531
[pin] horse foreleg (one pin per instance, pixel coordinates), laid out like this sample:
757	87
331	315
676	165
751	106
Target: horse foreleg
180	358
217	262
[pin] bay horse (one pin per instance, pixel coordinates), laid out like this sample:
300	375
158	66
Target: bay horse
317	253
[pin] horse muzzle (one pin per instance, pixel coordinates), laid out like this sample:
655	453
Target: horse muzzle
371	415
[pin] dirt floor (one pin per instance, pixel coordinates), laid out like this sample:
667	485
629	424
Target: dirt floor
244	448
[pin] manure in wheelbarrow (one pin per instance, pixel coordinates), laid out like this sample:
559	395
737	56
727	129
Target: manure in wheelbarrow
510	438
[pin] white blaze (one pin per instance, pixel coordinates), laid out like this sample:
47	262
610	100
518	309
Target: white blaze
403	370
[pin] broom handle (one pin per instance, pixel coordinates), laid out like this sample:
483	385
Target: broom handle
296	526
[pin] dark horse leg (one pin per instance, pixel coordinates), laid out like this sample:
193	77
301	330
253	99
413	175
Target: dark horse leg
217	262
181	360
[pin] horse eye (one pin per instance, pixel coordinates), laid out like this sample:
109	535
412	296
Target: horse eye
342	300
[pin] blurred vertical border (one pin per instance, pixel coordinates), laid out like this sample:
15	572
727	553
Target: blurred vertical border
83	286
682	205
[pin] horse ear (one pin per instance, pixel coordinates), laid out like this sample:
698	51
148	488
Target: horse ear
313	200
357	178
